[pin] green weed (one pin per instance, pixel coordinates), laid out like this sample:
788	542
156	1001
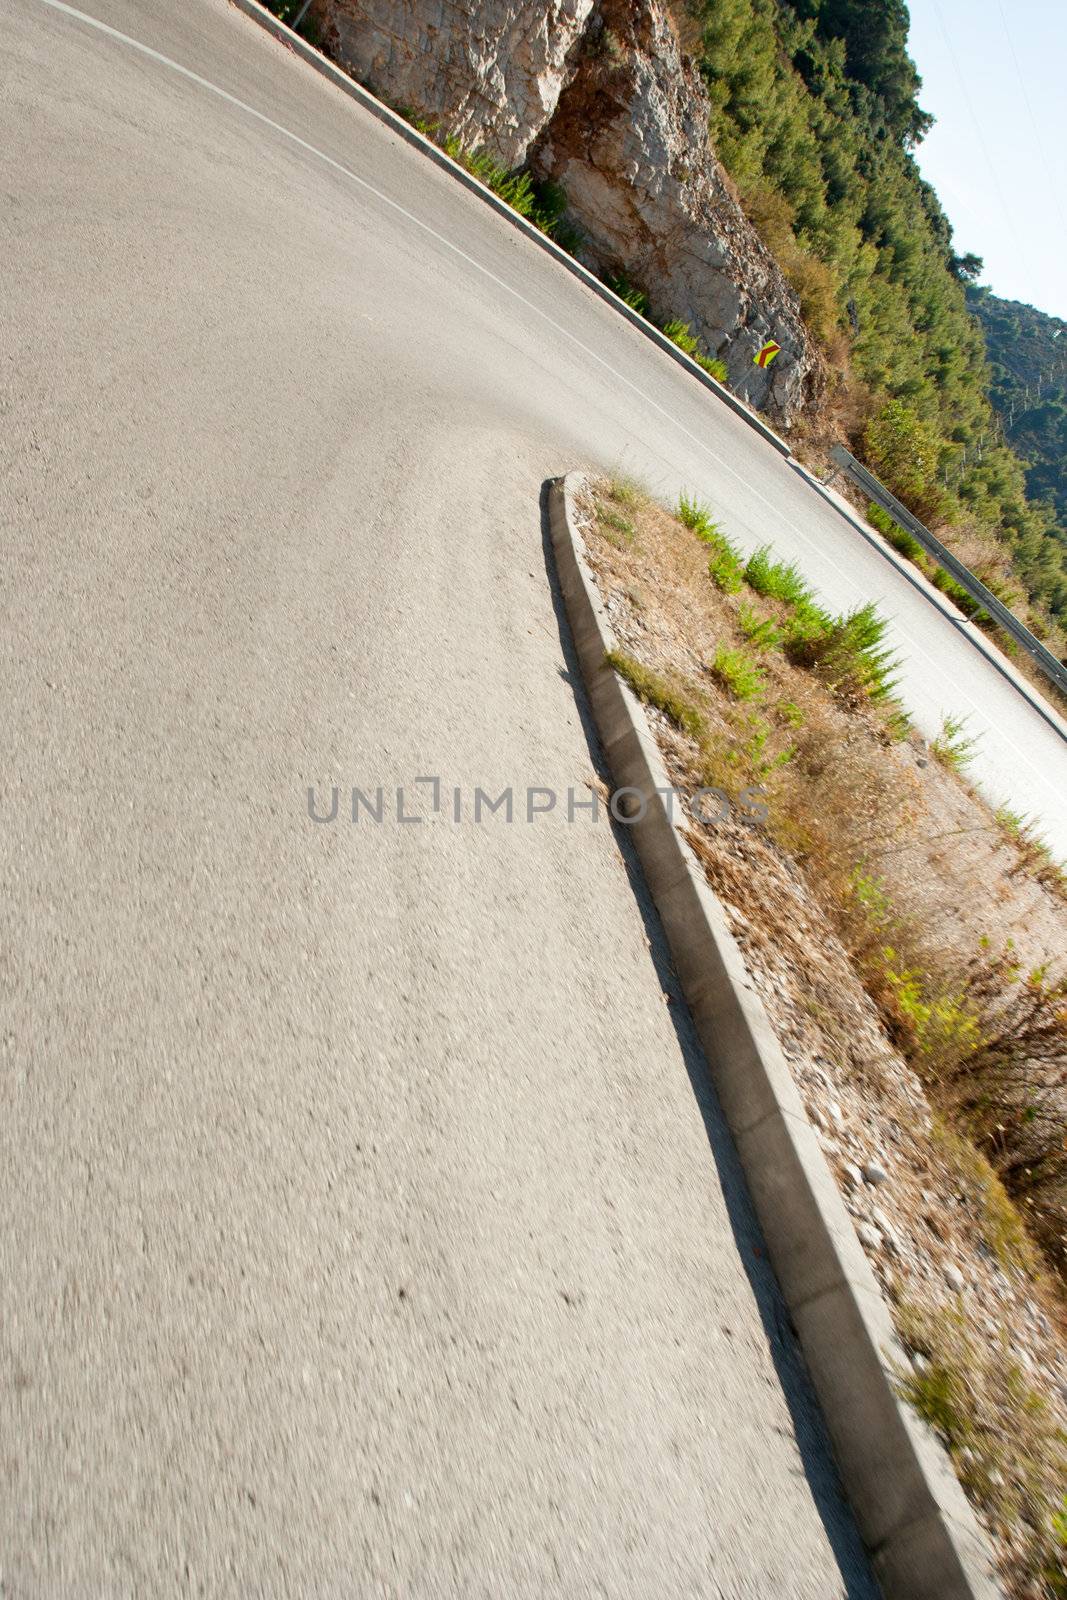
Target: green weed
1003	1438
698	519
960	598
1011	822
848	652
738	674
897	536
763	633
627	492
713	367
756	749
897	721
617	529
953	747
658	691
726	567
790	713
681	334
635	298
543	204
778	580
727	570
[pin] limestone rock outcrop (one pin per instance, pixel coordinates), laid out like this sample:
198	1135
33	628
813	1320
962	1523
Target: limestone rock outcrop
597	96
629	145
489	71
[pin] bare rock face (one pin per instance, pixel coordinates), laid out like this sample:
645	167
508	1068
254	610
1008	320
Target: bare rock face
596	96
489	71
629	145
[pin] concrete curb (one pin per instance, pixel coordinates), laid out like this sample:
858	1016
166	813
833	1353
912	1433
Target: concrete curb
411	136
924	1541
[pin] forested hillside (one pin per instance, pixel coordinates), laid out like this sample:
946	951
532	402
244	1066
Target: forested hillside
1028	355
815	115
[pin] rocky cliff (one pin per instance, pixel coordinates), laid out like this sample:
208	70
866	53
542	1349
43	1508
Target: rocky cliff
490	73
596	96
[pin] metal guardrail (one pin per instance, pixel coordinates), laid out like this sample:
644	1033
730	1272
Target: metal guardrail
845	462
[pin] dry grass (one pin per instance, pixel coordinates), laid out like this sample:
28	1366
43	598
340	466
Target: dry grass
1006	1445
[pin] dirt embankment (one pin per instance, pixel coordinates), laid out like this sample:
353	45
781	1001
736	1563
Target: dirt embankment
864	911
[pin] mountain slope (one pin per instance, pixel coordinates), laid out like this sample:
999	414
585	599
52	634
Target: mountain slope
1028	356
804	220
815	116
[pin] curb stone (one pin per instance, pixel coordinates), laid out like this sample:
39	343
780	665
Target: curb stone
923	1539
410	135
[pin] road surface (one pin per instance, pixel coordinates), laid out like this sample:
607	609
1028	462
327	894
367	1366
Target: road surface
367	1225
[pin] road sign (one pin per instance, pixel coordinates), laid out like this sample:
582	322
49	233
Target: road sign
766	353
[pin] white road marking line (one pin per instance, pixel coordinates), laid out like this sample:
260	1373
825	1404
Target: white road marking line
277	127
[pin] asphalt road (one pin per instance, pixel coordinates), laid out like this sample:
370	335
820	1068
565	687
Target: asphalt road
367	1226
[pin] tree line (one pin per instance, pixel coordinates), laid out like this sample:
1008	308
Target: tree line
815	114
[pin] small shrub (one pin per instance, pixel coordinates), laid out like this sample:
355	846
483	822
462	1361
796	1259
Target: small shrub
938	1022
953	747
658	691
756	749
849	654
895	535
543	204
763	633
1035	857
990	1042
898	722
1009	1088
747	759
698	519
681	334
726	567
870	895
959	597
777	580
806	626
549	205
999	1219
738	674
727	570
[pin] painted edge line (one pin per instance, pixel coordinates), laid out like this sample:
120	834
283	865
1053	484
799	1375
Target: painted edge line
923	1539
418	141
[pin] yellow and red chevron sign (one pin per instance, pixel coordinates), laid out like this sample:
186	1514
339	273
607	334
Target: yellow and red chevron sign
766	353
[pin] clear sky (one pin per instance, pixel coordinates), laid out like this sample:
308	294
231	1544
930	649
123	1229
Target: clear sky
995	76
